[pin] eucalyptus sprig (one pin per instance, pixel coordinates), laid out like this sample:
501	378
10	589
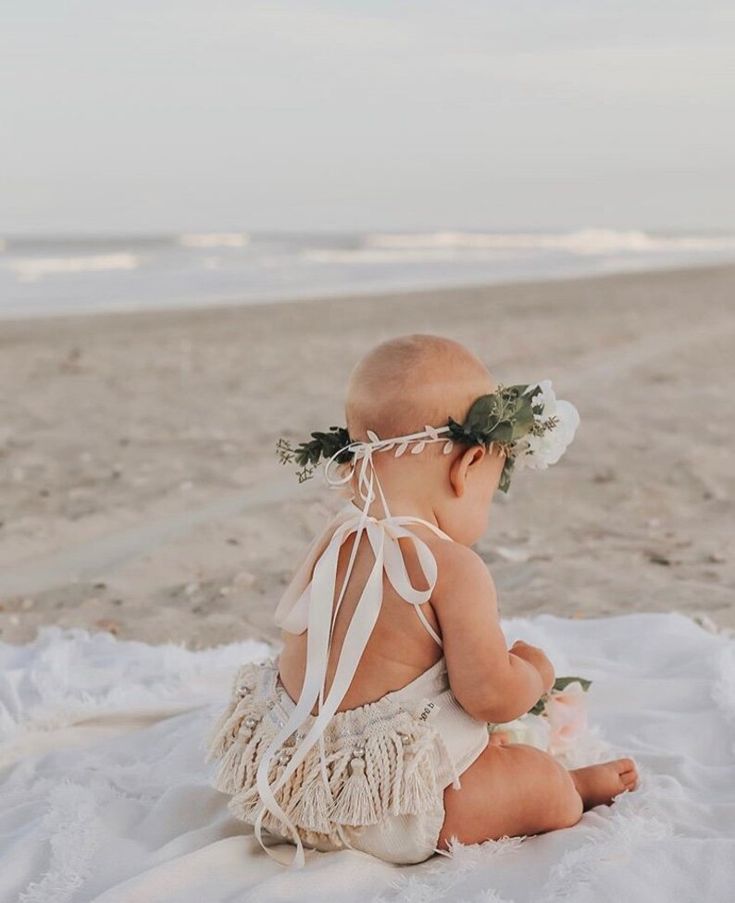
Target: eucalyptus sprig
502	418
321	445
561	683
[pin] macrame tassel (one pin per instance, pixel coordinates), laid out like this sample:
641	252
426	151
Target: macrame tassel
231	729
291	790
396	758
246	805
282	795
309	804
311	809
355	805
379	768
418	791
222	736
240	763
232	775
239	709
392	772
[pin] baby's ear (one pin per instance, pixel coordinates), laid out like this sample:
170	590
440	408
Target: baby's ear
460	467
475	454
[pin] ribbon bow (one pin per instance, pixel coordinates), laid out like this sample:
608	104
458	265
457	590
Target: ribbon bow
309	604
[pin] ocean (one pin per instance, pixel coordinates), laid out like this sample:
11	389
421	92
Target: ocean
48	275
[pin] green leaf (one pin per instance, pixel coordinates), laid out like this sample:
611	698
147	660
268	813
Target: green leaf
538	709
504	483
322	445
481	414
523	421
503	432
561	683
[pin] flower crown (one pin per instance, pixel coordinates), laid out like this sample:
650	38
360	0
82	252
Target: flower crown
527	422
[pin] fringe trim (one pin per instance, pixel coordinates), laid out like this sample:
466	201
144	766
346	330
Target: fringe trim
379	762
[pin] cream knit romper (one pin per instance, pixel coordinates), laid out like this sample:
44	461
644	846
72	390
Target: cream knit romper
370	778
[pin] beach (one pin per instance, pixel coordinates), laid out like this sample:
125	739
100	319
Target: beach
141	494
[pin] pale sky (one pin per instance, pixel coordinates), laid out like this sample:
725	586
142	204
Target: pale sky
173	115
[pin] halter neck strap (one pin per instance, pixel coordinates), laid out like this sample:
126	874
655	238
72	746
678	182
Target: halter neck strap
312	602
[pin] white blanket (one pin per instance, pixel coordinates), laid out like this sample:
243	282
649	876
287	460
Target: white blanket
104	795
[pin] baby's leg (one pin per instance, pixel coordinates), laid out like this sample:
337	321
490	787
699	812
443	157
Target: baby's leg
518	790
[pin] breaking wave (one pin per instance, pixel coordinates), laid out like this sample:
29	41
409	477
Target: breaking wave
584	241
214	240
32	269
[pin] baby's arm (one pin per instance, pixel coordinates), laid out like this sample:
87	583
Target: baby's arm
490	682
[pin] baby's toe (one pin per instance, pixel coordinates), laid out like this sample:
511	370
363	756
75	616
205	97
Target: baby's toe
628	774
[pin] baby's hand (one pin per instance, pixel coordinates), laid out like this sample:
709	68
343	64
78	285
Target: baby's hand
538	659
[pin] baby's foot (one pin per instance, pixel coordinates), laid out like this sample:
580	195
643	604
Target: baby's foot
600	784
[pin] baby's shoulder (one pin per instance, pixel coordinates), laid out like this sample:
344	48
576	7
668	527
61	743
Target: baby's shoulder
459	570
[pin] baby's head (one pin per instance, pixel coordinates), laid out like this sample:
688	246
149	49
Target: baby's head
399	388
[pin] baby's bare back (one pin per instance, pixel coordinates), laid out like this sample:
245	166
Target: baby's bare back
399	649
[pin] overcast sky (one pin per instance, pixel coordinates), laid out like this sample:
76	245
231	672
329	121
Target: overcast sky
148	115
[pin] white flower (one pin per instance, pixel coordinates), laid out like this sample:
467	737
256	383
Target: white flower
566	711
538	452
533	730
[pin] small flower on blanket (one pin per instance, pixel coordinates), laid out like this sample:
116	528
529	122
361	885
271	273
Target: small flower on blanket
532	730
555	723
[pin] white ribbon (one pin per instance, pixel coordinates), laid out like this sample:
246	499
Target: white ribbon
310	605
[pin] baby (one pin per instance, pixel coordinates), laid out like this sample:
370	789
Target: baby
370	731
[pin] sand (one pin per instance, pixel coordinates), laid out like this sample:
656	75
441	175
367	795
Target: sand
141	494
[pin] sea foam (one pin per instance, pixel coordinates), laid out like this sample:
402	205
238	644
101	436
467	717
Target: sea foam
214	240
32	269
583	241
50	274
